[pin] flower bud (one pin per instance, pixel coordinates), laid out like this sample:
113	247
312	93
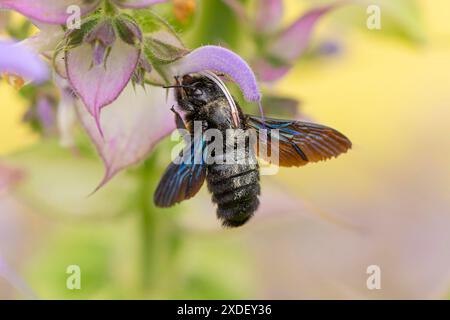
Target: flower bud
101	37
128	30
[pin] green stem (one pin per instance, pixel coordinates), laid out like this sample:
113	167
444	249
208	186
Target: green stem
108	8
160	237
148	225
216	24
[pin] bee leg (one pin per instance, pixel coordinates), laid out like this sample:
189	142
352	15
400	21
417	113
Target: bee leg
178	119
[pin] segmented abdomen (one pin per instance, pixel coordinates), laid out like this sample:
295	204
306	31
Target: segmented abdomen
235	189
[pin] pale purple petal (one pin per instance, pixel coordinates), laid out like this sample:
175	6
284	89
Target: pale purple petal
21	61
222	60
268	15
100	85
45	112
291	43
132	126
137	4
48	11
267	72
99	53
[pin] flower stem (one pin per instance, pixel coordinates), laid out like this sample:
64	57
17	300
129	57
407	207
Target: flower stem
216	24
108	8
148	225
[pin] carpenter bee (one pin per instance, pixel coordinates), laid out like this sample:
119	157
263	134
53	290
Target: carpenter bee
204	99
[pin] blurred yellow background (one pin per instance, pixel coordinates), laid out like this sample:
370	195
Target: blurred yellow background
13	134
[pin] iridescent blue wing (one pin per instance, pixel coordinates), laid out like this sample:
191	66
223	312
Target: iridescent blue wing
184	177
298	143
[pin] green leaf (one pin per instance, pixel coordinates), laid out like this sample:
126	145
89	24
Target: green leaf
159	52
150	24
127	29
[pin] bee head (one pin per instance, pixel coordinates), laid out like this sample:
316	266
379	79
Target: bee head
197	89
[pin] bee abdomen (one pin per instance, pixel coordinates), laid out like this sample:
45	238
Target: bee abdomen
235	190
238	194
235	214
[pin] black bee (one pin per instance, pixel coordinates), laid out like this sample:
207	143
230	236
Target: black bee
235	185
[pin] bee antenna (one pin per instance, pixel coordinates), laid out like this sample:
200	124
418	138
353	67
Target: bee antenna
176	86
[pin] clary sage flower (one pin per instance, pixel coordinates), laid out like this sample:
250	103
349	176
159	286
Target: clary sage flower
278	47
101	58
118	61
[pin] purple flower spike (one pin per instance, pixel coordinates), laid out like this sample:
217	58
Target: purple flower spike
267	72
268	15
292	42
219	59
137	4
49	11
19	60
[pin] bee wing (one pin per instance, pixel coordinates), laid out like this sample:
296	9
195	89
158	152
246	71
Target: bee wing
298	142
182	179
